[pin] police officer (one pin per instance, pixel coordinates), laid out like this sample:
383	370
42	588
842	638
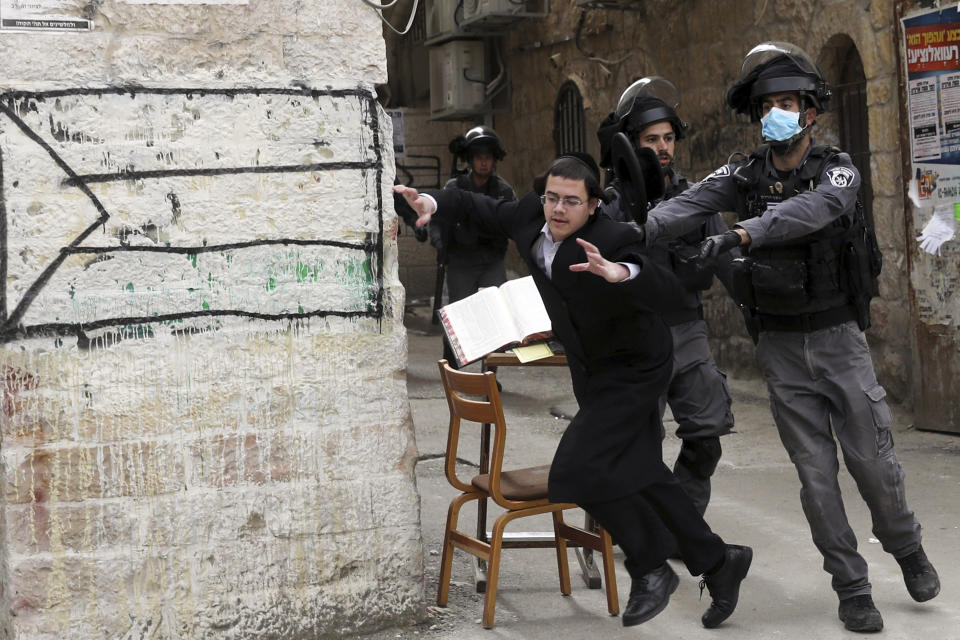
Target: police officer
805	281
474	257
698	395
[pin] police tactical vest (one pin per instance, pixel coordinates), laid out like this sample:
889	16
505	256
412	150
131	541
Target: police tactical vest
831	269
468	236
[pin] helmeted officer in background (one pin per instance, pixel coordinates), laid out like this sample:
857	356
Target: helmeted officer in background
805	281
474	257
698	395
647	113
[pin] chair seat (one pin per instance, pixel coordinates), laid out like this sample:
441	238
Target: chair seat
520	484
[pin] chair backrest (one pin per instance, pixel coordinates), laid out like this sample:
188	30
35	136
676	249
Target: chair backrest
485	410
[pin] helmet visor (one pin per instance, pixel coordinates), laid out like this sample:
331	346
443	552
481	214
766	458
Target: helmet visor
649	87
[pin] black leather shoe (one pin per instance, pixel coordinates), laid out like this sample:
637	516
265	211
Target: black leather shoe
859	614
921	578
724	584
649	595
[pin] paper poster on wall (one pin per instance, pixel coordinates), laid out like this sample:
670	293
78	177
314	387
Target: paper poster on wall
399	136
43	15
932	56
923	119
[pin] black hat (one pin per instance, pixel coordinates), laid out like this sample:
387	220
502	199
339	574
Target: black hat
572	165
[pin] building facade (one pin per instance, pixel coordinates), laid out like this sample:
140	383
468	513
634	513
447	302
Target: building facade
568	68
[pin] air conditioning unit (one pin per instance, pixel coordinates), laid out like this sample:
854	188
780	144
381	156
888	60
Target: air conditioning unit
441	23
456	79
500	14
474	8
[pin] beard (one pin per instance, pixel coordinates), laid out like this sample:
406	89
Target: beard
786	147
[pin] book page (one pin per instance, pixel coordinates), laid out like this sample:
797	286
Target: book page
479	323
523	300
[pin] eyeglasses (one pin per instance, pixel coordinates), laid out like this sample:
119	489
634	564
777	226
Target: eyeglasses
569	202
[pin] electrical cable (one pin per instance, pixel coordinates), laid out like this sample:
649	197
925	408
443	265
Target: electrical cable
491	89
590	56
380	7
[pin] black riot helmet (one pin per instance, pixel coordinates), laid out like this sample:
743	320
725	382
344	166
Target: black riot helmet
777	67
647	101
478	139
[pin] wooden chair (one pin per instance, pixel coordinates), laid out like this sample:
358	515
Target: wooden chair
522	492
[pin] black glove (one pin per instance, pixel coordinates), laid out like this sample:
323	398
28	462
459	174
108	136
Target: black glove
713	246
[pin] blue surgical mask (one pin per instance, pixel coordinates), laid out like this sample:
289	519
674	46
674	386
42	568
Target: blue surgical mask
780	125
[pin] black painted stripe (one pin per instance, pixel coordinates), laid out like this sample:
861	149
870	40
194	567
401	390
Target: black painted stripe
90	178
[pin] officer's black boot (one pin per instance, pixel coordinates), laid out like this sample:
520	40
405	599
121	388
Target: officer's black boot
860	614
724	584
649	595
921	578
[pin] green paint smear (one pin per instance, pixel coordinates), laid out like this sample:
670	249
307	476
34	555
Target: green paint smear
192	257
271	284
205	305
307	272
136	331
129	287
303	272
361	270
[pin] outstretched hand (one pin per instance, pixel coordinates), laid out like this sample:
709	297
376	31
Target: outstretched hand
424	207
598	265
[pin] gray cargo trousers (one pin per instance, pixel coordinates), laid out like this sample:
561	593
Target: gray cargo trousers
700	402
822	386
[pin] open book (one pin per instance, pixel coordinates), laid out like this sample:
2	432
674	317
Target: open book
496	317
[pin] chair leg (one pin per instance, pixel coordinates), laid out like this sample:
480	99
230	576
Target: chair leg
609	572
446	560
562	559
493	570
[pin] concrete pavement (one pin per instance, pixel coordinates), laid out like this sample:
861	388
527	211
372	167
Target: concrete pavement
755	502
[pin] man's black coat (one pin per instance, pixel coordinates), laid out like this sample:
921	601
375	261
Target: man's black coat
618	348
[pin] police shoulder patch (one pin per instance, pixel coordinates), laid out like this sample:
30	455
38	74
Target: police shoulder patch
719	173
840	176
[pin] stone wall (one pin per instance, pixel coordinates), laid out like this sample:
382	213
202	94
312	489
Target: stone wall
699	44
205	431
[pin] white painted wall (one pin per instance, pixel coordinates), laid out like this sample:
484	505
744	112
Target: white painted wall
205	430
